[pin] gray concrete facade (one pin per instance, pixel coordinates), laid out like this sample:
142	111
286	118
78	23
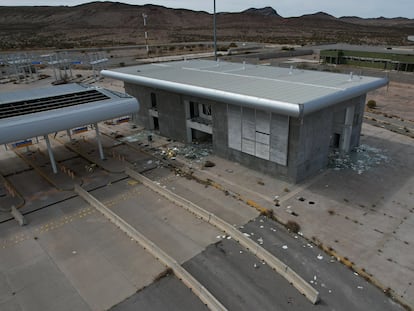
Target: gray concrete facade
293	149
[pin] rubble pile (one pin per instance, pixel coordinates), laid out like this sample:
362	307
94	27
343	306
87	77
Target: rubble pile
194	152
360	159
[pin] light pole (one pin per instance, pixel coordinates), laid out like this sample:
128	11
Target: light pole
215	33
144	16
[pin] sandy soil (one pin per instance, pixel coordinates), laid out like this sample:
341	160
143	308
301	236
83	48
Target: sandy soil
397	99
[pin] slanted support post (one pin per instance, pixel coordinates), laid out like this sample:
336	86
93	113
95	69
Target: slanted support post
18	216
52	158
69	135
98	139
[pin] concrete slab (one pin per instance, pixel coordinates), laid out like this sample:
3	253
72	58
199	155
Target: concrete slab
241	282
166	294
340	288
70	258
39	285
212	200
176	231
11	163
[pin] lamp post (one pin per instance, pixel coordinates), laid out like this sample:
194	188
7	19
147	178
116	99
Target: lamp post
144	16
215	33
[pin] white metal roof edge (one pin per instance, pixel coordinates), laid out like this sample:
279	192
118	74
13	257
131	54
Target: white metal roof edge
42	123
343	95
289	109
297	110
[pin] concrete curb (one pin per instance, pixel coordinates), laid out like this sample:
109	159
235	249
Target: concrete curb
198	289
290	275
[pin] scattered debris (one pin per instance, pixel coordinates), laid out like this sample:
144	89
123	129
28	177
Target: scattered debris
361	159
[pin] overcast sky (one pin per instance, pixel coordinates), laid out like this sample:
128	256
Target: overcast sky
286	8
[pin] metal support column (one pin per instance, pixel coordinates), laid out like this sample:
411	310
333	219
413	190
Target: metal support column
52	158
69	135
98	139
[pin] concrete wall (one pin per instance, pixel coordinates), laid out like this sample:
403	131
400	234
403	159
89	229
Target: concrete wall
310	138
171	111
308	143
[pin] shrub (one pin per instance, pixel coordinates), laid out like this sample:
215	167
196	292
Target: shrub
371	104
292	226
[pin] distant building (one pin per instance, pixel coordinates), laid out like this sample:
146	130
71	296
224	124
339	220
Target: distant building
276	120
372	57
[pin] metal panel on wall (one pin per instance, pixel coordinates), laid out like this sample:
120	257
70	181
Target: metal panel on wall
262	151
248	124
234	127
263	121
279	139
249	146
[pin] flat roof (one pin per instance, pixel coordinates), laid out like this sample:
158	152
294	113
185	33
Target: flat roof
286	91
38	112
367	48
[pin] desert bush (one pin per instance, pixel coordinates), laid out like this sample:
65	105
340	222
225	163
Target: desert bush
292	226
371	104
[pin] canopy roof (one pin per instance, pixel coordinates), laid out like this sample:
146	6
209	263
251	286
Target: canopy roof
38	112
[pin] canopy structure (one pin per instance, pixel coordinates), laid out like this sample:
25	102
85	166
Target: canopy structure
38	112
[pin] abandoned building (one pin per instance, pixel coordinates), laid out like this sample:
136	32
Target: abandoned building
280	121
369	56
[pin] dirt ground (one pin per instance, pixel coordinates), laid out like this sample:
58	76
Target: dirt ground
396	99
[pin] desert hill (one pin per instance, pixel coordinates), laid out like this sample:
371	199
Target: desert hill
114	23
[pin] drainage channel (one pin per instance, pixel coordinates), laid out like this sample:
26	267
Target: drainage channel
183	275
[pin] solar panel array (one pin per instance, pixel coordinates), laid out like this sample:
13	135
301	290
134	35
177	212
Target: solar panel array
30	106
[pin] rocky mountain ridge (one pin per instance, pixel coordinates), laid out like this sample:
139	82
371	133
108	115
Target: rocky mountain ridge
114	23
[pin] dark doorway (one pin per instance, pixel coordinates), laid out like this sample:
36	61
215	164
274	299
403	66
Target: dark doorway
156	124
335	140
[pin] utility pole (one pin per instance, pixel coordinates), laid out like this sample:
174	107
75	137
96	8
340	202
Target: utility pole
215	32
144	16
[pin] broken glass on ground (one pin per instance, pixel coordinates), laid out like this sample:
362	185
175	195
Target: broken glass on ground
360	159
